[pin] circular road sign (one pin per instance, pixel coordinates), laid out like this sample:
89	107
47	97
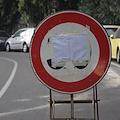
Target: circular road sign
70	52
54	4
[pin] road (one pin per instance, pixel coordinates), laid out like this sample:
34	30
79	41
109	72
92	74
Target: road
23	97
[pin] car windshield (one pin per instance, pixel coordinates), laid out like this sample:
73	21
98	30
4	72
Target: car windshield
117	34
3	34
27	32
19	32
110	31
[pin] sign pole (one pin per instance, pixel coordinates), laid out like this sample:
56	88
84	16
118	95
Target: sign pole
50	104
94	102
97	103
72	107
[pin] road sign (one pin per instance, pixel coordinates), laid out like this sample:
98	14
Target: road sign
70	52
54	4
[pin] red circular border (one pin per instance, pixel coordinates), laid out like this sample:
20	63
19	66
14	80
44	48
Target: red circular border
104	57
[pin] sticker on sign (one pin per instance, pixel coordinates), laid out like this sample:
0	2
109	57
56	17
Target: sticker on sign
70	52
74	48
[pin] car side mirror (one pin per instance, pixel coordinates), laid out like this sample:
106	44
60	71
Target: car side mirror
112	36
12	36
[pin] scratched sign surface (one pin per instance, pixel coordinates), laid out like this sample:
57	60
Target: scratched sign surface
70	52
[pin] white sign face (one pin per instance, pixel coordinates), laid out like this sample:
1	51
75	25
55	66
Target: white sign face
68	56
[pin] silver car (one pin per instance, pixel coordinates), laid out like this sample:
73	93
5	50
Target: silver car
20	40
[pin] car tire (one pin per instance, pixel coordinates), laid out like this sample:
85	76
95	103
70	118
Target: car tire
118	56
8	48
25	48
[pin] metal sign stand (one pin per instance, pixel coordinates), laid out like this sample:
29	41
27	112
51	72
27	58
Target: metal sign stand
94	101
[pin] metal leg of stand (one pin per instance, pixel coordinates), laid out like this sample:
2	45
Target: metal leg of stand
97	103
50	105
72	101
72	107
94	103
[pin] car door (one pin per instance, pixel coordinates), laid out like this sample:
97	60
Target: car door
17	40
114	47
115	43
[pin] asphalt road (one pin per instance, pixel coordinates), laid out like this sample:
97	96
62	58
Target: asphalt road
23	97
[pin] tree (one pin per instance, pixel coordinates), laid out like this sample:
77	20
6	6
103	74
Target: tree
33	11
105	11
68	5
8	14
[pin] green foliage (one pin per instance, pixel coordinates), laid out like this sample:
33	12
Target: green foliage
105	11
68	5
8	14
33	11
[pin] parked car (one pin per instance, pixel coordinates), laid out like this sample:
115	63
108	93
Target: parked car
115	43
3	37
111	29
20	40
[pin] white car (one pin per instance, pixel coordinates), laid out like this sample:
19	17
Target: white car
20	40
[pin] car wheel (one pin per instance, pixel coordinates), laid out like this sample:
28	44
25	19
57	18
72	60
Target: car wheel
118	56
25	48
8	48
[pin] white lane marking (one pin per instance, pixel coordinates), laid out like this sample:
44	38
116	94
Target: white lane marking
112	79
115	64
7	84
22	100
44	96
83	96
25	110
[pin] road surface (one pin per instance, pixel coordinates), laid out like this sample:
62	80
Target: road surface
23	97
